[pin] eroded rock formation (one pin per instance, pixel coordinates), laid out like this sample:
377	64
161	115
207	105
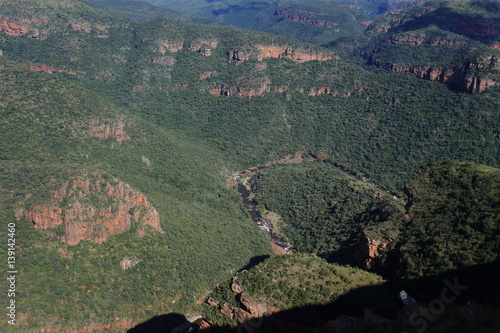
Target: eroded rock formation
304	17
114	130
467	77
13	27
463	77
367	250
246	309
93	208
50	70
262	52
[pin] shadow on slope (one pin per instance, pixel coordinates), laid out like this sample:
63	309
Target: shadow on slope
464	300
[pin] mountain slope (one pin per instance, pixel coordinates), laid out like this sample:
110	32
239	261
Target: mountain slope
453	42
317	22
164	112
301	98
120	166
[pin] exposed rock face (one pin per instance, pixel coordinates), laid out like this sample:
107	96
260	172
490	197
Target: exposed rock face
247	308
203	47
13	27
463	77
478	28
206	75
367	250
171	46
114	130
50	70
262	86
128	263
420	41
92	208
304	17
273	51
167	61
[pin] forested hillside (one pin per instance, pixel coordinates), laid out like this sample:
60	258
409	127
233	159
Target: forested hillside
122	132
452	42
55	132
314	21
256	96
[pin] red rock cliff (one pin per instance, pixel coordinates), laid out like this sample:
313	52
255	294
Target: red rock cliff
465	77
307	17
261	52
92	208
367	250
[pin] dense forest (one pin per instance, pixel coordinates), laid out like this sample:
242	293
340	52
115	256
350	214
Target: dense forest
117	108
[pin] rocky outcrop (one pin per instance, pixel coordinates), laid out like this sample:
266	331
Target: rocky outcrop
478	28
455	77
368	250
420	40
385	65
50	70
13	27
22	27
171	47
304	17
466	77
126	263
271	51
206	75
167	61
246	308
93	208
114	130
262	52
203	46
262	86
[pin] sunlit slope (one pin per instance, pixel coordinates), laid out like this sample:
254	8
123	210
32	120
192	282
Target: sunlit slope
55	133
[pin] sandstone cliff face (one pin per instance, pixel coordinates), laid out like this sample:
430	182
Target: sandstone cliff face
304	17
261	86
50	70
463	77
261	52
13	27
246	309
368	250
114	130
421	40
92	208
202	46
478	27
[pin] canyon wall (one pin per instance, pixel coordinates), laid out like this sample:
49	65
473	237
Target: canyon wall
93	208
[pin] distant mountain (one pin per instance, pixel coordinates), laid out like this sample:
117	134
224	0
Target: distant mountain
316	22
454	42
121	141
139	10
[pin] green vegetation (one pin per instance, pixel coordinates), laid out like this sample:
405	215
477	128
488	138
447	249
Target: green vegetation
323	209
301	279
288	282
194	104
318	22
183	179
383	126
454	219
435	34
